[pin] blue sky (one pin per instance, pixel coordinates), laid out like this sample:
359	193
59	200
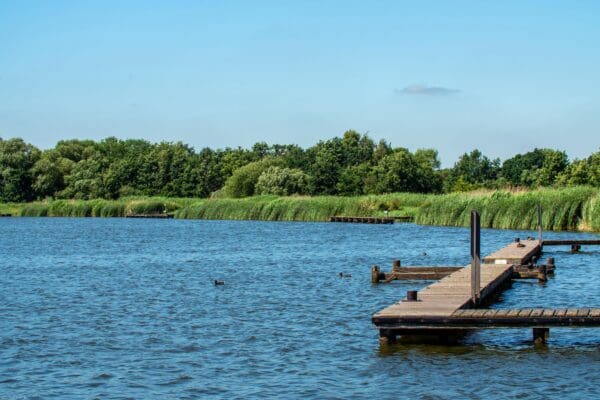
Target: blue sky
501	76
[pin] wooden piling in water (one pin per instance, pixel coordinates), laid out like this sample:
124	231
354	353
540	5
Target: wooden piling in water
541	335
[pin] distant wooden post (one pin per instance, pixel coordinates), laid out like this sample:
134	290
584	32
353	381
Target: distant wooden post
374	274
475	256
540	224
541	335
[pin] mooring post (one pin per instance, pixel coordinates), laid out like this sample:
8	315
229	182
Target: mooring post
411	295
386	337
541	335
550	265
396	266
540	225
475	256
374	274
542	273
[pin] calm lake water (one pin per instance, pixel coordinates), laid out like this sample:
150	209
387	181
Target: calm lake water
120	308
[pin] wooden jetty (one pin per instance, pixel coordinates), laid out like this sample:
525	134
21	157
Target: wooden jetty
454	303
575	244
159	216
398	272
362	220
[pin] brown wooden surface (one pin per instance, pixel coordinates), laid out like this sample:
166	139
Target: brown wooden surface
422	273
500	318
514	254
447	305
362	220
159	216
569	242
449	294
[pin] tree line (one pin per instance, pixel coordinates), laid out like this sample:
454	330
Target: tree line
353	164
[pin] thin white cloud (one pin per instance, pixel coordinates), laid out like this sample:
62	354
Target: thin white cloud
424	90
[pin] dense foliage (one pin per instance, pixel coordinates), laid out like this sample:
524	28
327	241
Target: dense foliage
351	165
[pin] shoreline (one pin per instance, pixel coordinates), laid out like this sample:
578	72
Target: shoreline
570	209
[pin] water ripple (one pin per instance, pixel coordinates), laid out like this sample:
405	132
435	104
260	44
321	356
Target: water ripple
115	308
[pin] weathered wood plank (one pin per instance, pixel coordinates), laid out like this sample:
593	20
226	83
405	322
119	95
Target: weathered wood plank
526	312
536	312
479	318
502	313
490	313
583	312
569	242
594	312
560	312
548	312
571	312
514	253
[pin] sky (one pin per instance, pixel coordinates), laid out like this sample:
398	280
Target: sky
501	76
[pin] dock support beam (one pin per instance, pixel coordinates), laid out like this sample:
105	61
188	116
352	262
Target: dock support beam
475	257
541	335
386	337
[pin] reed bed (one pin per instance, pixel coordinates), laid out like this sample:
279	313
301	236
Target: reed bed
576	208
563	209
101	208
298	208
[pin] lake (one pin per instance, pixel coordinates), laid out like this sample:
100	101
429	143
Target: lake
126	308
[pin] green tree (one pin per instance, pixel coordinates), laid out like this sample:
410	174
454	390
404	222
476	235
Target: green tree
582	172
243	180
401	172
282	182
16	160
473	170
48	174
355	180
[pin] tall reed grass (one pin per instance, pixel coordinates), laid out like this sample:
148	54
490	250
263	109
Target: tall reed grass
101	208
563	209
576	208
298	208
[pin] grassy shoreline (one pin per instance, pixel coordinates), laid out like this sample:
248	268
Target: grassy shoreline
572	209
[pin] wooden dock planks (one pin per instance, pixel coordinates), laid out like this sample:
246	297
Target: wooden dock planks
447	295
500	318
157	216
571	242
518	253
444	308
362	220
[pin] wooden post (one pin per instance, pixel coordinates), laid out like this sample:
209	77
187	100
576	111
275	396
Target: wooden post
540	224
374	274
396	266
550	265
475	256
411	295
542	273
386	337
541	335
